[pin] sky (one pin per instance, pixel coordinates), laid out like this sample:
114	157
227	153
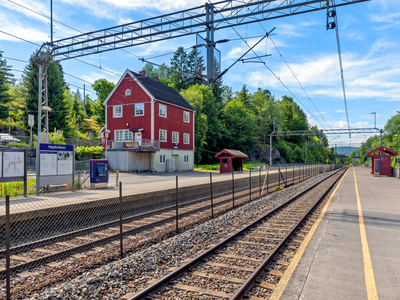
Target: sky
369	40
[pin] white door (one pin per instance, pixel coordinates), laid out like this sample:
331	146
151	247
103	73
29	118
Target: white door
138	138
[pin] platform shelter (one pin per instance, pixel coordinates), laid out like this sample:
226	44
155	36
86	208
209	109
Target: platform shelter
382	160
230	160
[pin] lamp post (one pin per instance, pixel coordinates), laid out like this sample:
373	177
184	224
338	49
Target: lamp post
374	113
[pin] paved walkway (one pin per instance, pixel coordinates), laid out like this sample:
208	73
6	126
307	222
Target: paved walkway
355	251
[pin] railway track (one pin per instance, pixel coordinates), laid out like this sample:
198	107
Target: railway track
249	262
47	250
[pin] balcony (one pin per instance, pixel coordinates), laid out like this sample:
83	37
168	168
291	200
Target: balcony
137	146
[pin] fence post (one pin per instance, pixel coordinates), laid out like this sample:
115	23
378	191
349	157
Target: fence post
279	175
293	175
8	259
121	237
211	193
233	189
176	204
286	176
250	184
267	182
259	179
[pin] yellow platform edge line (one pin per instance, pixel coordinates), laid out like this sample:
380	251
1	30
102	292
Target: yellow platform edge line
280	287
368	270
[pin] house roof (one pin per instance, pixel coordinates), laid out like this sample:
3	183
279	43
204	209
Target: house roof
163	92
383	149
234	153
156	90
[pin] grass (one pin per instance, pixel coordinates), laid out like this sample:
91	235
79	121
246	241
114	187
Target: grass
17	188
215	167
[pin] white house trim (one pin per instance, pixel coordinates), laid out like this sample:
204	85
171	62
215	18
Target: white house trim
152	119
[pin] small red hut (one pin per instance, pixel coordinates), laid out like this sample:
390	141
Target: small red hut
382	159
230	159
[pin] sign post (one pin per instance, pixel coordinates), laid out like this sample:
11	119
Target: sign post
31	122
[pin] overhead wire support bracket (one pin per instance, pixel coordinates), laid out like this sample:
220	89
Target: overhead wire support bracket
240	58
247	60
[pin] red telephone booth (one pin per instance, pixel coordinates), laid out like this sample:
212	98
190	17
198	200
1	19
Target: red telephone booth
384	155
230	160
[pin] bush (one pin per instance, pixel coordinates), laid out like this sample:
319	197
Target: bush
278	188
94	152
16	145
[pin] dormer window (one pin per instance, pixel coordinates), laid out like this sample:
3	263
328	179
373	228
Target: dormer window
128	92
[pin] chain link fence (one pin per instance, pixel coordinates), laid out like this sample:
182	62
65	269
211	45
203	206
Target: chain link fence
39	233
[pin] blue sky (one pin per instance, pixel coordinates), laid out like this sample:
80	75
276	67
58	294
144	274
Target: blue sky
369	39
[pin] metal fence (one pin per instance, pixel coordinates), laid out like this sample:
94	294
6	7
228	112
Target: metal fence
104	225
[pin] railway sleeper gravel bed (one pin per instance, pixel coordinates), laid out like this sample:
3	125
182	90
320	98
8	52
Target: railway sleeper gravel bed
227	267
106	281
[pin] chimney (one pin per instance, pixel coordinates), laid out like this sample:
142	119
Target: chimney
156	79
142	73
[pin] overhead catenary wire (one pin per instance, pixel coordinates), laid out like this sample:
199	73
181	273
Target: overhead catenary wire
269	68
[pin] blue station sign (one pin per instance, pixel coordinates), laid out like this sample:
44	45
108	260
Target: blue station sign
53	147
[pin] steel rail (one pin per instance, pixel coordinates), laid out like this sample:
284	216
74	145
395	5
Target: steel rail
252	280
189	265
83	247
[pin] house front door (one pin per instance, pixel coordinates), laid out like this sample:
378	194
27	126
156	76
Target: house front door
138	138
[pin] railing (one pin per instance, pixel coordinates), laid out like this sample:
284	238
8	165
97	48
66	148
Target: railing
141	145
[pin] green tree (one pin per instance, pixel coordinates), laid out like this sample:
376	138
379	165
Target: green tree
102	88
194	96
5	84
55	91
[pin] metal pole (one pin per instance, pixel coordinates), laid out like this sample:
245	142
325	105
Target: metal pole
267	182
293	175
31	144
250	183
279	175
233	189
77	134
286	175
259	179
210	40
39	120
176	204
121	237
8	254
51	20
270	149
9	119
299	172
211	193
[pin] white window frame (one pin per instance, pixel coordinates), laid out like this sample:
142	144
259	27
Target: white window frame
186	158
116	133
165	135
177	137
186	113
134	113
162	158
188	138
128	92
130	135
114	111
159	110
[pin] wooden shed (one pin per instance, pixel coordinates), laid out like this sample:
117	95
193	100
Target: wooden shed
230	160
382	160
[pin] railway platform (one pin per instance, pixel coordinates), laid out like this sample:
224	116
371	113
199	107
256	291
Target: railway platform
352	252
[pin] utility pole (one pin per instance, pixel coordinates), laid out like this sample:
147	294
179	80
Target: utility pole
305	157
77	134
51	21
270	146
210	40
374	113
9	119
84	98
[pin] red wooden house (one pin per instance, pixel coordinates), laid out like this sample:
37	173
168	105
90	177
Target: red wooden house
149	124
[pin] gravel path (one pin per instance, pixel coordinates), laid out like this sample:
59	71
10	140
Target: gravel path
132	274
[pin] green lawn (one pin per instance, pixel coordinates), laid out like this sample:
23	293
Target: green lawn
17	188
215	167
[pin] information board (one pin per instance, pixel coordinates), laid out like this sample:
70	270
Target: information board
65	162
56	159
48	163
13	163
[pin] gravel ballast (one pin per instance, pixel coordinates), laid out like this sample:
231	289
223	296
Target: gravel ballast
132	273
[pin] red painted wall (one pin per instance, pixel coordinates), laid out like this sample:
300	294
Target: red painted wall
173	122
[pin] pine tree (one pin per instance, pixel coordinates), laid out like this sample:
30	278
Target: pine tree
5	81
55	91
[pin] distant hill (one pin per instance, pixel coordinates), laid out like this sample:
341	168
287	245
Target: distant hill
346	150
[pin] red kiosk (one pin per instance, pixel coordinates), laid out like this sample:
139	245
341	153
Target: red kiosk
229	159
381	162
